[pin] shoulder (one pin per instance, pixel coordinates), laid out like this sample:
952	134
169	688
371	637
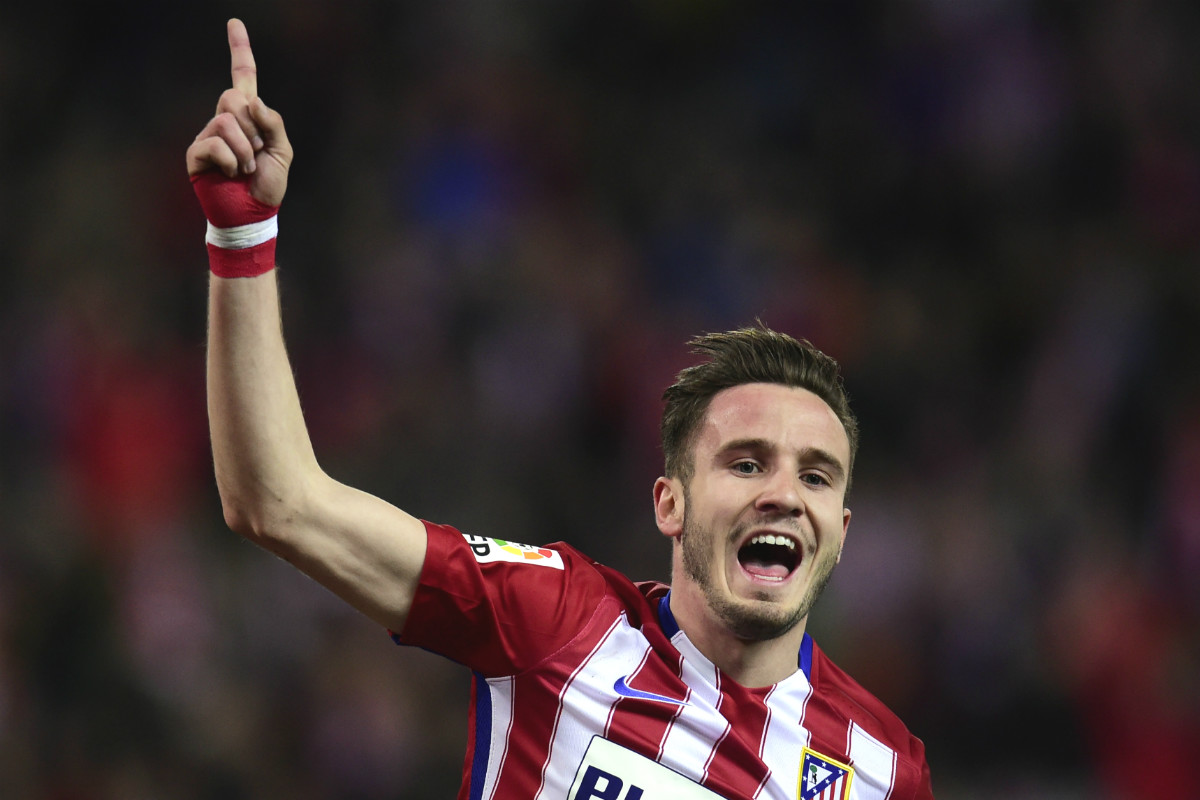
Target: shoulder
847	698
500	606
538	581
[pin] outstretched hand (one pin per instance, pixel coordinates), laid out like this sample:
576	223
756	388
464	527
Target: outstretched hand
245	139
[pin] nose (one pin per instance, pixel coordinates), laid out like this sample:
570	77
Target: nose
781	495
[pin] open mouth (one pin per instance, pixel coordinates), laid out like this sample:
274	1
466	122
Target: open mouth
769	556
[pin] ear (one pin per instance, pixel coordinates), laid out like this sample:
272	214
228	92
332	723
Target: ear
668	506
845	527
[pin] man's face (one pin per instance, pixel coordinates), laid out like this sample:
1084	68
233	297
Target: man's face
761	520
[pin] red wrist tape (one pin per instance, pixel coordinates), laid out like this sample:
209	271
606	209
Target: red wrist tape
245	263
227	203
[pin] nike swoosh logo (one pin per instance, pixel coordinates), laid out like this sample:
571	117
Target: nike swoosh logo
625	690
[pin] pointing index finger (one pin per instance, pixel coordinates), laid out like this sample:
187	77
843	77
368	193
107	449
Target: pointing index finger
241	57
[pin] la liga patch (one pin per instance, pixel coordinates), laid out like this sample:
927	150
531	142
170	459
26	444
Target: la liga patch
823	778
486	550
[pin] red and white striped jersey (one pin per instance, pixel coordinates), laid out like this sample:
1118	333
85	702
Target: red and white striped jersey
585	688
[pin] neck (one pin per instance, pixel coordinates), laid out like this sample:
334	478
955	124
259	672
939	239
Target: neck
752	663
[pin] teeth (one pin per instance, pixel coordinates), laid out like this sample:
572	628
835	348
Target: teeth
770	538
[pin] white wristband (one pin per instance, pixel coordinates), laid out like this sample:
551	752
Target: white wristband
243	236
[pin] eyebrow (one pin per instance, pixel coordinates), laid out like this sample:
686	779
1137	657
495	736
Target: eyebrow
808	455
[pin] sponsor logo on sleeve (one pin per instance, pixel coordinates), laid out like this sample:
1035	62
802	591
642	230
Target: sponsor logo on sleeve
612	772
487	550
822	778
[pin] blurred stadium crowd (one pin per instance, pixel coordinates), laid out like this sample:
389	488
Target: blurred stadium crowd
504	221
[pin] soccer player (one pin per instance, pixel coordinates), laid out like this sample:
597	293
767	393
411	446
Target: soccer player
586	684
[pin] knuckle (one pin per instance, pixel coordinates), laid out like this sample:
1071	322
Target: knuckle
232	100
226	125
229	133
231	126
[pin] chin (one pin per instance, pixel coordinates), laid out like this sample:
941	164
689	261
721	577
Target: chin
757	620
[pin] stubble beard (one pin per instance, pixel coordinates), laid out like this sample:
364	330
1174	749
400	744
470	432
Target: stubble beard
756	620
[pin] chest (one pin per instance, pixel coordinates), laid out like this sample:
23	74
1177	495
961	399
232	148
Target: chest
628	720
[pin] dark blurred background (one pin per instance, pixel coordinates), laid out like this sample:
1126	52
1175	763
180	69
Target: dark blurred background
503	222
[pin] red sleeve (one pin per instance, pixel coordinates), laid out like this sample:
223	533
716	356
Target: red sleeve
919	767
925	790
499	607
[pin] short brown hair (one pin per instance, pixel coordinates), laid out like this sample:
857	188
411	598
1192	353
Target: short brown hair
747	355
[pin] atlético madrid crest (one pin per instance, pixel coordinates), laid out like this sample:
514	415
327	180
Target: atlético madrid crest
822	778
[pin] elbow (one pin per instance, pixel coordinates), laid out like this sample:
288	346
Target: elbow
238	518
259	521
271	514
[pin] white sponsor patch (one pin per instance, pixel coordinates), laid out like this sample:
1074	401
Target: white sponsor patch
486	550
612	772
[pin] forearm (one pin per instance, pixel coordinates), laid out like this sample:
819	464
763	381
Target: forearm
262	453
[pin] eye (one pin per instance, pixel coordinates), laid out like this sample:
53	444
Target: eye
815	479
746	467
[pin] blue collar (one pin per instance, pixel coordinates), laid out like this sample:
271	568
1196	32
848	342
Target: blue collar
670	627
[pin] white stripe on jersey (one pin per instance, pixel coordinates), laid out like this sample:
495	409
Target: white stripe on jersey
587	700
786	737
874	766
699	726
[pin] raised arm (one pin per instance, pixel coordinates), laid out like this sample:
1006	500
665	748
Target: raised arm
272	489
